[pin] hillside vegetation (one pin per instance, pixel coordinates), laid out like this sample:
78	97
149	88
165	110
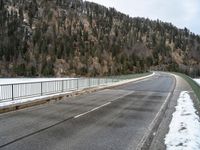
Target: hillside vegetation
75	37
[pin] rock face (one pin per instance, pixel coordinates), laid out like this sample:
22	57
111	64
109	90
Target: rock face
74	37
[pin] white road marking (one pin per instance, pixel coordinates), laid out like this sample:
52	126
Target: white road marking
122	96
77	116
82	114
152	123
96	108
162	107
100	106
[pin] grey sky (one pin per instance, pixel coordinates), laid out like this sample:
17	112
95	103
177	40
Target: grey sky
181	13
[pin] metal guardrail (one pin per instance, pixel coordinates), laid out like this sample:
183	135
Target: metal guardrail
16	91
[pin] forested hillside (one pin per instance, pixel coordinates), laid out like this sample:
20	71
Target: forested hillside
74	37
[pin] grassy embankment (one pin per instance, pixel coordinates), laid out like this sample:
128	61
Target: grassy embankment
193	84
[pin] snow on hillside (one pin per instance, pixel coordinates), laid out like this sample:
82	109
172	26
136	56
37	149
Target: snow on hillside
184	128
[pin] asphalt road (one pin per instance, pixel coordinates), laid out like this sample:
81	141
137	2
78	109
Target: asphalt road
111	119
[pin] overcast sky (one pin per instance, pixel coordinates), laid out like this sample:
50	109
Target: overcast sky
181	13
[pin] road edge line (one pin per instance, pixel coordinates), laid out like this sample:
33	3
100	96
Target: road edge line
146	140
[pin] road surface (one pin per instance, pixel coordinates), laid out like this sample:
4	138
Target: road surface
111	119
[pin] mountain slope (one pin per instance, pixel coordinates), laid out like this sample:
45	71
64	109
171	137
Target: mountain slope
74	37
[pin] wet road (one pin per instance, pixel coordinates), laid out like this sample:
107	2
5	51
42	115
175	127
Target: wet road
111	119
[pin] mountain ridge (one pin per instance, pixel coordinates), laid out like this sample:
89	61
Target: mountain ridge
74	37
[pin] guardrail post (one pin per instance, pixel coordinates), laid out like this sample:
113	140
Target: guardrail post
12	92
77	84
62	86
89	82
41	88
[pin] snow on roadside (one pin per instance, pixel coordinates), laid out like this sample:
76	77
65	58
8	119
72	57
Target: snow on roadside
24	80
184	129
8	103
197	80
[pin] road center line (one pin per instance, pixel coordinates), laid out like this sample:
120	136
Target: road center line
77	116
122	96
96	108
100	106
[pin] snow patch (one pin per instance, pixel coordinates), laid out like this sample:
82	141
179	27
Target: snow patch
29	80
8	103
197	80
184	129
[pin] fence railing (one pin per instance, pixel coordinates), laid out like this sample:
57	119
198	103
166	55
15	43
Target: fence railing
15	91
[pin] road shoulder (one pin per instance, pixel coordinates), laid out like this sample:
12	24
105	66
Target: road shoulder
159	136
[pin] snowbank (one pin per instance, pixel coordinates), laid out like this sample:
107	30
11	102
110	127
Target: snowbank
7	103
197	80
184	129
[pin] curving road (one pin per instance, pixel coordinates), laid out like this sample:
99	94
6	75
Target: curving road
111	119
